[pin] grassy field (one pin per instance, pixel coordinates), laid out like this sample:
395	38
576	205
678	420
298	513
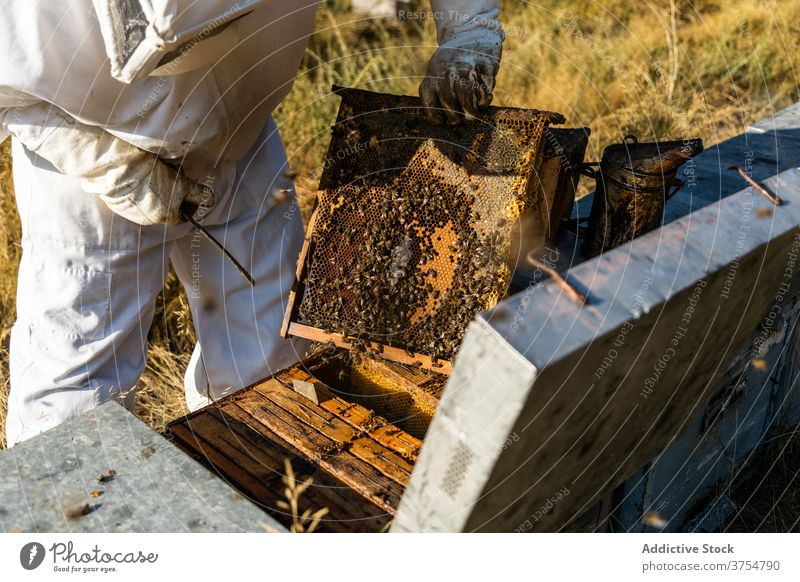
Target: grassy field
663	69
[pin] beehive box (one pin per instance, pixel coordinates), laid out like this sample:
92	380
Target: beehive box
354	427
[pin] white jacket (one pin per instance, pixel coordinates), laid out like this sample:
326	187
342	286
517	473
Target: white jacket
54	51
150	93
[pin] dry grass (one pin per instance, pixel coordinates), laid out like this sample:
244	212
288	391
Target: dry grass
768	492
10	253
658	69
160	398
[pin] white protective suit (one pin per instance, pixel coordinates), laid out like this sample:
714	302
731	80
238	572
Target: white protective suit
193	83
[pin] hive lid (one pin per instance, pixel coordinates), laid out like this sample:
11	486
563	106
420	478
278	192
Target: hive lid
412	230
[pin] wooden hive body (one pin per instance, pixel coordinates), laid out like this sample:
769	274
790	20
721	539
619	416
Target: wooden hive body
314	415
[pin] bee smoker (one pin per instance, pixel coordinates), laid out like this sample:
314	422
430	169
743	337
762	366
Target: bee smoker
632	186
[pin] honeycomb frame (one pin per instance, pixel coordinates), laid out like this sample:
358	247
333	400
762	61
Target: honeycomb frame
412	227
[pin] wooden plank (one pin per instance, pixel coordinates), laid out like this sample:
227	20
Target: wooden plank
360	417
568	147
354	414
252	458
364	478
297	372
329	454
261	437
365	462
306	411
249	477
298	287
379	456
388	463
388	352
310	442
351	511
232	472
346	504
398	440
540	214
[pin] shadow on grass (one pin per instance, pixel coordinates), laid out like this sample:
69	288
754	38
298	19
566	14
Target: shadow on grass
768	492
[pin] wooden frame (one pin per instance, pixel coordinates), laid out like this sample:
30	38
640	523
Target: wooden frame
290	327
563	162
359	461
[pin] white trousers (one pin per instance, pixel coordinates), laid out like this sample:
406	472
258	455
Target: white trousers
88	283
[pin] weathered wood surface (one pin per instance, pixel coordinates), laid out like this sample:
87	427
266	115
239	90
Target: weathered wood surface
252	461
564	150
47	482
360	464
685	483
396	354
359	416
592	393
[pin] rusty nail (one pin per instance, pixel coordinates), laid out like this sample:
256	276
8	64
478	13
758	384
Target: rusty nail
756	186
571	292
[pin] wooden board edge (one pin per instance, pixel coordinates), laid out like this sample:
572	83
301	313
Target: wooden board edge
298	287
390	353
567	187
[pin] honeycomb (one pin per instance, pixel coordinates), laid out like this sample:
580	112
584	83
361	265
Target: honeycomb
414	223
411	411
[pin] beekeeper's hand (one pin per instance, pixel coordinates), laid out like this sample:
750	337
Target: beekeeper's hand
461	73
133	183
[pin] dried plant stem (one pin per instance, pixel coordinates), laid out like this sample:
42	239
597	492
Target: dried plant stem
307	521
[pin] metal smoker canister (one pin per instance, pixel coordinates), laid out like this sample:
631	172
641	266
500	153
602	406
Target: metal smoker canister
633	185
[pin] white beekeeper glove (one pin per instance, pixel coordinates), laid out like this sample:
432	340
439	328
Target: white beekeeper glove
133	183
461	73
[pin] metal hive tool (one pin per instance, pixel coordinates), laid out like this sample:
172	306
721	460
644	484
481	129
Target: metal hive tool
413	226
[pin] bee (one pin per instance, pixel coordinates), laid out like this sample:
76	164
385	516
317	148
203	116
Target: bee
108	477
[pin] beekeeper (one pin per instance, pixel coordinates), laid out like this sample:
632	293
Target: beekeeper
124	113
